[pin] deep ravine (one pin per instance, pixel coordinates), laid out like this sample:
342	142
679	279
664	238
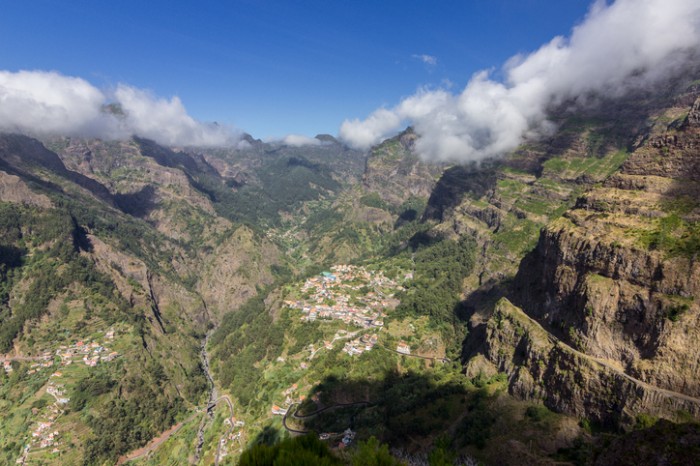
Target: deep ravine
213	396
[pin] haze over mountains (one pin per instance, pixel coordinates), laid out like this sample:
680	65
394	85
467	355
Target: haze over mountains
506	274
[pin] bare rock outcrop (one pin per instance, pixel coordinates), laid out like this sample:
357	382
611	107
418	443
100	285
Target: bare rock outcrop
606	321
394	171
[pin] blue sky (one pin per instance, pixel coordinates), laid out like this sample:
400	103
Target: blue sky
275	68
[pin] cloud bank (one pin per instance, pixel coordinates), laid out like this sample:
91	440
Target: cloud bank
46	103
618	47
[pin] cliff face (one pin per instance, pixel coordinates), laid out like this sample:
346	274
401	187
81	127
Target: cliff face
541	366
235	270
612	290
396	173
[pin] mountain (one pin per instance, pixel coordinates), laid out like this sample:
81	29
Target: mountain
194	302
86	285
613	281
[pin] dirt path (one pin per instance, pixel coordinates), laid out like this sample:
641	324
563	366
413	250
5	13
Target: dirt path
608	365
24	358
154	443
612	367
429	358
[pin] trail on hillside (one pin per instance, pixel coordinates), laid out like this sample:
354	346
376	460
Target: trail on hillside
608	365
154	443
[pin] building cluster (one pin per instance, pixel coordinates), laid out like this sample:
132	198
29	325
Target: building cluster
234	435
329	296
57	391
290	398
45	360
44	435
91	353
348	437
359	345
276	410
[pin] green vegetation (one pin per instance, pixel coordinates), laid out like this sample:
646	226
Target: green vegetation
672	235
285	185
593	166
373	199
263	353
144	409
373	453
440	269
308	450
245	340
476	427
55	239
290	452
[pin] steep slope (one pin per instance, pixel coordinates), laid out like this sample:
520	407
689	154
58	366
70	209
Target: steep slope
113	265
610	330
394	171
179	194
503	203
99	333
124	253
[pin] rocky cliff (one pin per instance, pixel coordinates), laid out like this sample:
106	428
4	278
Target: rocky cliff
608	313
394	171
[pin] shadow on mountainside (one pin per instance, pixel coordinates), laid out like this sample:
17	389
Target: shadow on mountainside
139	203
417	412
408	410
27	157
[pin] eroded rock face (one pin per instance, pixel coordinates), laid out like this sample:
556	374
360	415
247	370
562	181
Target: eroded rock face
694	114
13	189
540	366
608	318
396	173
235	269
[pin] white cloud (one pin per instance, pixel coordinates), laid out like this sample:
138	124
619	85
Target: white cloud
427	59
166	121
618	47
47	101
41	102
363	134
297	140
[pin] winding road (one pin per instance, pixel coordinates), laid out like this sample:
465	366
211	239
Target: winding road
295	415
230	428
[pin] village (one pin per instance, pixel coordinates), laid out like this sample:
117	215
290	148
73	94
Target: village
351	294
233	436
44	435
90	352
348	293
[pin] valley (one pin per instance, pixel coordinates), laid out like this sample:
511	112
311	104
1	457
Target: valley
162	305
